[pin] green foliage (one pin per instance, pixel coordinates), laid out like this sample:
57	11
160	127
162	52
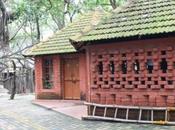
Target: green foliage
56	9
35	18
105	4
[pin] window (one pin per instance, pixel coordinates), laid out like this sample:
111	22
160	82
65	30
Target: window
100	79
130	82
100	68
136	66
156	82
149	65
123	79
163	79
136	54
118	82
163	52
170	82
143	82
124	67
149	53
149	78
100	56
47	73
95	82
111	55
173	65
123	55
112	67
136	78
163	65
111	79
106	82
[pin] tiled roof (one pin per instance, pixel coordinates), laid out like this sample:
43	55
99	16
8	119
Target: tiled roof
136	18
59	42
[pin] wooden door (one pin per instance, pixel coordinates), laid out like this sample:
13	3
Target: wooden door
71	79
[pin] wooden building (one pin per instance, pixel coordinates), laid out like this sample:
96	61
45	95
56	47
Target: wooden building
128	59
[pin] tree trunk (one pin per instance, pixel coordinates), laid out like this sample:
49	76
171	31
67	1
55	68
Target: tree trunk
37	26
14	82
4	27
113	4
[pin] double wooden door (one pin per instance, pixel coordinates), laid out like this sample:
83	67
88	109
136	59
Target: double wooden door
71	78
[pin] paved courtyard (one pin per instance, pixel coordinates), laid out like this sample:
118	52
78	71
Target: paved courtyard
21	114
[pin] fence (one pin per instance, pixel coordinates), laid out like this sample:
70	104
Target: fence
24	81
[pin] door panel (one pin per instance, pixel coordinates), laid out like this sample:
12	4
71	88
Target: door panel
67	68
71	79
68	90
76	90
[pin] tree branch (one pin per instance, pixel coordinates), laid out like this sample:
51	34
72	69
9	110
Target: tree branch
113	4
17	31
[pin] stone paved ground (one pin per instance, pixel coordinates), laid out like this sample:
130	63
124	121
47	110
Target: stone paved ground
20	114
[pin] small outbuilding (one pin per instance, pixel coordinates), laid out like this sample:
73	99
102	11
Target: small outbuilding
60	70
128	59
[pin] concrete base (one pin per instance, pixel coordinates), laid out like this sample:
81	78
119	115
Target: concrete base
72	108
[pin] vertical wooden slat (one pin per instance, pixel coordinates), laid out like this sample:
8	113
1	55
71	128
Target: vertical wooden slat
140	114
94	111
127	112
166	115
115	115
105	111
152	115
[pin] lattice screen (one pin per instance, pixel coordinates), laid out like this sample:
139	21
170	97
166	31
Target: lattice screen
117	75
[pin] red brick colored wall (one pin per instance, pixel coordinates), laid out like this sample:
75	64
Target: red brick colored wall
38	74
129	89
55	92
83	76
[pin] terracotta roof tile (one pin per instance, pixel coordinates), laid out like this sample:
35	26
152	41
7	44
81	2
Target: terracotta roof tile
138	18
59	42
